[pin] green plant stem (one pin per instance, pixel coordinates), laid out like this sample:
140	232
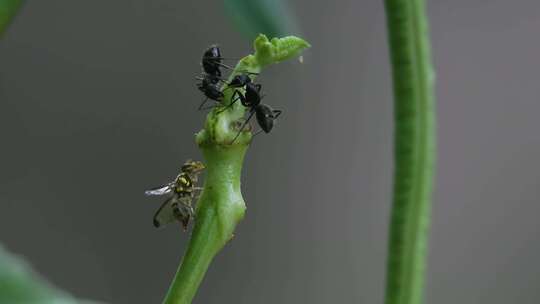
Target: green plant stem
413	80
221	206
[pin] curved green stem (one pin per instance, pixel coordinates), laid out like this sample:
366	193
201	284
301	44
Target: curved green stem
221	206
413	79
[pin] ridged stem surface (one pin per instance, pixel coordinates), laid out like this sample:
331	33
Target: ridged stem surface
413	81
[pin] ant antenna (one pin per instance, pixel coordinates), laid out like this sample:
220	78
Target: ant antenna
202	104
221	58
219	79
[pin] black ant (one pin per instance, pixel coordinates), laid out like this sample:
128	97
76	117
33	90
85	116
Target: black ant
209	85
264	114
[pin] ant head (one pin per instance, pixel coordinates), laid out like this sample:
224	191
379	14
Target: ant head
240	80
213	52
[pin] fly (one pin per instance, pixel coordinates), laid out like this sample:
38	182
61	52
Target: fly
181	192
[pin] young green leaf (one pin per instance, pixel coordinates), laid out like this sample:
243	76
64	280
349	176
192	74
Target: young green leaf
278	49
20	284
270	17
8	9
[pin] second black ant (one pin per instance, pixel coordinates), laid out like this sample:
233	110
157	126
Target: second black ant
209	85
264	114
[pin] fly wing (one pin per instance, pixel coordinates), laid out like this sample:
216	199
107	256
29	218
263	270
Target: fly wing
174	209
165	214
184	211
161	190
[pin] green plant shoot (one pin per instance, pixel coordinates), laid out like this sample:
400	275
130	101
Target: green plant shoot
221	206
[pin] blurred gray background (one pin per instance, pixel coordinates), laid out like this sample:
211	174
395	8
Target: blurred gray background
98	103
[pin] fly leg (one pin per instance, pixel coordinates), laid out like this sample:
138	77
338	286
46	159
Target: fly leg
183	213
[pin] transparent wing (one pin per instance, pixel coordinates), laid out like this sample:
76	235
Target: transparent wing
174	209
165	214
184	211
161	190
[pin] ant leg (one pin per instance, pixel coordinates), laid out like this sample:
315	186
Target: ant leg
258	132
247	72
202	104
228	87
230	68
228	58
201	108
237	95
218	78
209	107
225	66
243	126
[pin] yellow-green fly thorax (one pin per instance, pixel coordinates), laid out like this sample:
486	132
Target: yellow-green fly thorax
183	184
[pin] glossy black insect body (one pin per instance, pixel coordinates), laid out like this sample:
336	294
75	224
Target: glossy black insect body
209	85
265	117
212	61
264	114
